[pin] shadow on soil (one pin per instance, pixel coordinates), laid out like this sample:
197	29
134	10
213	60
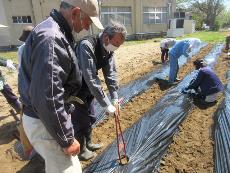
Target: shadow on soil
35	165
164	84
7	132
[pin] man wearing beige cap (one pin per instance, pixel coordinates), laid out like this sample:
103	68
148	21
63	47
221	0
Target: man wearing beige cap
48	76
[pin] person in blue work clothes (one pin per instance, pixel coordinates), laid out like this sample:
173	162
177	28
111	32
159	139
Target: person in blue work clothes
206	84
95	53
182	47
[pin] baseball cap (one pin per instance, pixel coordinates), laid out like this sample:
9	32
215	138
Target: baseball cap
89	7
25	33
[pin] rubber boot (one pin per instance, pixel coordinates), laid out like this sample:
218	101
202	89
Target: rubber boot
91	146
84	154
17	106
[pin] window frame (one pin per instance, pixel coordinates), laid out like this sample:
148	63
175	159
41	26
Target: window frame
113	10
156	12
22	19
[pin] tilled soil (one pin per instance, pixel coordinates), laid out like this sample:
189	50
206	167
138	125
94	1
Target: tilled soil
192	149
133	61
135	109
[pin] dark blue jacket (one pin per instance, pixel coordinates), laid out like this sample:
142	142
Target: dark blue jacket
208	82
48	75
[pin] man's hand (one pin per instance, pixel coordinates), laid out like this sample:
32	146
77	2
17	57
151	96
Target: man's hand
73	149
10	65
115	102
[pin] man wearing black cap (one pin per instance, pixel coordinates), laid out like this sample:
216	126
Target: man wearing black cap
49	75
25	33
206	84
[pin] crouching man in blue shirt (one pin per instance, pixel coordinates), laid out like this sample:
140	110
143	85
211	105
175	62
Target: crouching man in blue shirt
207	85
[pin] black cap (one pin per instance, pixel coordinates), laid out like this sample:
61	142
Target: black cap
25	33
199	63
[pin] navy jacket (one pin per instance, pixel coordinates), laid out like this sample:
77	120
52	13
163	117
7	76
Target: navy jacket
48	75
208	82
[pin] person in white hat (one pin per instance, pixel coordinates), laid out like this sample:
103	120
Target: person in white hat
48	76
165	45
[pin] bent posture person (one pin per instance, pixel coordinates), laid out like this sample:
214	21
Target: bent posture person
6	90
95	53
206	85
165	45
48	76
182	47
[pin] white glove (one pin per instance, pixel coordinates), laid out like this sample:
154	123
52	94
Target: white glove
110	110
9	65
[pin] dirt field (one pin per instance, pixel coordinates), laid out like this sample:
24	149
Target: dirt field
133	61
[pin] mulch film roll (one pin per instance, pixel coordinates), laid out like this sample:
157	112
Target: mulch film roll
222	133
148	139
137	87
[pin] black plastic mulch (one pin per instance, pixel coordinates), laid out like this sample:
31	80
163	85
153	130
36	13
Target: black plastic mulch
222	133
137	87
149	138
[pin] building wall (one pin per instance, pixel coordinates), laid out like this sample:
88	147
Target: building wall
137	25
37	9
4	32
40	9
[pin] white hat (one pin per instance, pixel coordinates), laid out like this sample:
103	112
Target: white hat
194	42
89	7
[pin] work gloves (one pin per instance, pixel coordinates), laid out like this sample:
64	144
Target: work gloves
10	65
112	108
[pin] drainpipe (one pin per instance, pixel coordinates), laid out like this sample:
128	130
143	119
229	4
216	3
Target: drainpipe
169	8
141	16
33	15
169	13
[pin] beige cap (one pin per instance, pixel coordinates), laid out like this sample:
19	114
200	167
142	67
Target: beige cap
89	7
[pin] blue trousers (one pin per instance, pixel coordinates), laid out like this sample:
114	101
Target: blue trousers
174	68
11	98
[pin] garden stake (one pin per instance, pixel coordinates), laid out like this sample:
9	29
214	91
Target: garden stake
121	145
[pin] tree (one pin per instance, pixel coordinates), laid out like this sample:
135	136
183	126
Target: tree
210	9
182	4
205	11
224	18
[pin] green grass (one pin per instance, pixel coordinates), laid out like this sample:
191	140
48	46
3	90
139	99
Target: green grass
207	36
10	55
132	42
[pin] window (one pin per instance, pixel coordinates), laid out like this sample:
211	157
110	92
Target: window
21	19
179	15
180	23
154	15
119	14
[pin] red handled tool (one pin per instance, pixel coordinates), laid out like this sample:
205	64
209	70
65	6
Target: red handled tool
121	145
